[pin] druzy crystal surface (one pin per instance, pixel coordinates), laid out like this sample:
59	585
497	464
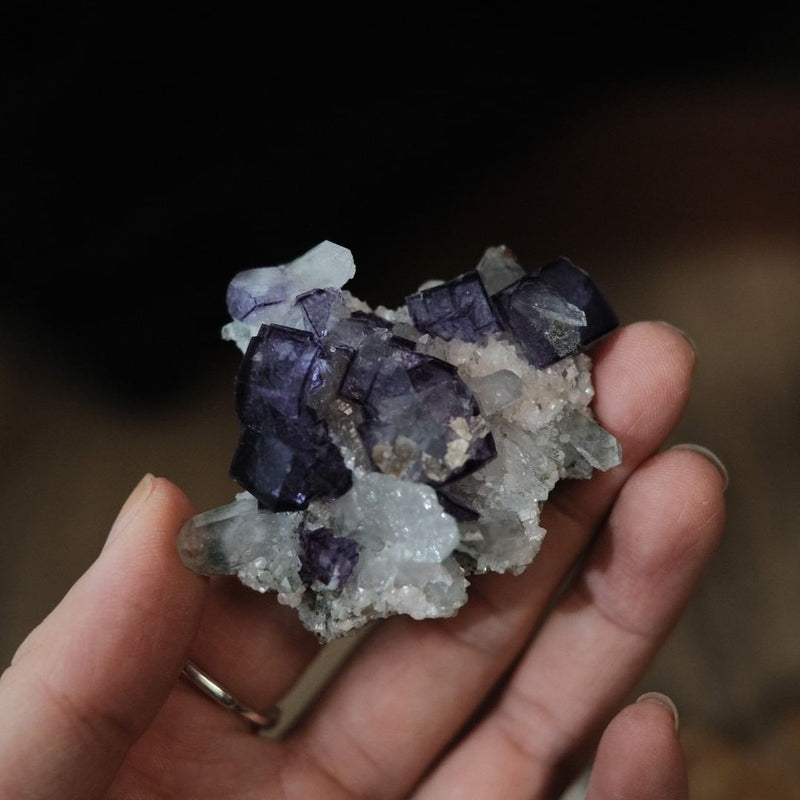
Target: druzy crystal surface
386	455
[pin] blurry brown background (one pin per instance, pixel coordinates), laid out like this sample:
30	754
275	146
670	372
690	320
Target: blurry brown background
153	157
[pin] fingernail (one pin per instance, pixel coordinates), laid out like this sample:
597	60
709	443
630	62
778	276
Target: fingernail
681	332
131	506
663	700
711	456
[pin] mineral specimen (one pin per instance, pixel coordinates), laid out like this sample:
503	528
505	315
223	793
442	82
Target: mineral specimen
387	455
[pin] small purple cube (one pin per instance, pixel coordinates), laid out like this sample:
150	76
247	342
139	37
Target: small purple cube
457	309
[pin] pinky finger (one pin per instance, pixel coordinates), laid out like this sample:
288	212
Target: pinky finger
640	755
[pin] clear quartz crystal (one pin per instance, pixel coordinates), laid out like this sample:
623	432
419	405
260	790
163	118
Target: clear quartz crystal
498	268
448	470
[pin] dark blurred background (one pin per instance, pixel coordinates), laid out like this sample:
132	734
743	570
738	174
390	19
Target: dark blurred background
154	150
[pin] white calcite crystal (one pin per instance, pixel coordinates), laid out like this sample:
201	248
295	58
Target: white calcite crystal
386	454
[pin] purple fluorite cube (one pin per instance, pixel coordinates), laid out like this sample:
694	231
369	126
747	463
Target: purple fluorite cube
554	312
326	558
457	509
457	309
575	285
285	456
545	325
411	403
317	305
274	373
290	463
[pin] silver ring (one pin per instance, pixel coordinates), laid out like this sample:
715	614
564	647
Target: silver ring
206	684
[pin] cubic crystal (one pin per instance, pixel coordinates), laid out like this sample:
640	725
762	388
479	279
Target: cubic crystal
555	312
457	309
326	558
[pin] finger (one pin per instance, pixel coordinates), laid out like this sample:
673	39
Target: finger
603	634
90	678
640	756
642	383
254	646
429	676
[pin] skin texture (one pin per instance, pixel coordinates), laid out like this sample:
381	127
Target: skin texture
509	698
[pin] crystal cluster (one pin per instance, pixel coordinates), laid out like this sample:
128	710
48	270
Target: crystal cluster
387	455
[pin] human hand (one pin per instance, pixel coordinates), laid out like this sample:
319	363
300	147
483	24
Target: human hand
506	699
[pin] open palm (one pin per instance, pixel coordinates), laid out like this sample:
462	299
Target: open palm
506	699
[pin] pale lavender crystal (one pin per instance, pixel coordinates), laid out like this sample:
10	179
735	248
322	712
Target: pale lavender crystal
456	309
241	303
267	294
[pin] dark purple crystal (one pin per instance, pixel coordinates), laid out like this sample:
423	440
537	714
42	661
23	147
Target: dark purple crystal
544	324
274	373
290	462
457	509
416	420
554	312
285	456
375	350
457	309
316	306
575	285
326	558
411	402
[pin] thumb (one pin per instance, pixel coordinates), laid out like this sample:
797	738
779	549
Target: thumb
90	678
